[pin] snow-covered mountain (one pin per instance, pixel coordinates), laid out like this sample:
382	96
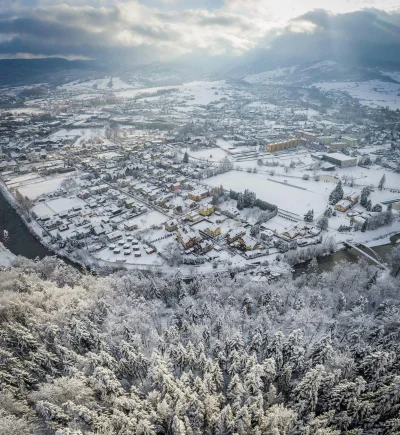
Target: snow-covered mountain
308	73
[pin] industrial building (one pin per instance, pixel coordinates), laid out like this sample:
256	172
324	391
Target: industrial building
340	160
271	148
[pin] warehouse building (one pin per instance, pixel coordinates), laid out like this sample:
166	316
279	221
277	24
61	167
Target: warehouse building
340	160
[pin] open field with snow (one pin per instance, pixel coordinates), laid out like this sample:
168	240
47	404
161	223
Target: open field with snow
210	154
285	197
373	93
34	190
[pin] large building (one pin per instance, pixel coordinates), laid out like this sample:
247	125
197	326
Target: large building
340	160
349	141
271	148
325	140
306	135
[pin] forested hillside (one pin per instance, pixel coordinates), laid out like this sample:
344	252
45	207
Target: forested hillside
134	354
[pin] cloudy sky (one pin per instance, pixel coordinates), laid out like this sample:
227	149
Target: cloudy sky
147	30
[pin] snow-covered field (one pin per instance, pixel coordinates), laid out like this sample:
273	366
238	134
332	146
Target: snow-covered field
285	197
194	93
211	154
62	204
371	93
34	190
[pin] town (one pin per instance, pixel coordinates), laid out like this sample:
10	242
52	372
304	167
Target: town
204	175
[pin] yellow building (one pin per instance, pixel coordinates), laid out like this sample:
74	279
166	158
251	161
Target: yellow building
271	148
213	231
199	194
85	213
206	209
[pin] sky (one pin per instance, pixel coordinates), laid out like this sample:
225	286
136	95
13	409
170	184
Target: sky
140	31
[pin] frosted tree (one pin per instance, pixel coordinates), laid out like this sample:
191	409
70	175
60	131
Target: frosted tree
337	194
323	223
305	395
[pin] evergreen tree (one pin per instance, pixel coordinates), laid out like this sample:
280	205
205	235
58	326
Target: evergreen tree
240	202
186	157
382	182
323	223
364	226
309	216
364	196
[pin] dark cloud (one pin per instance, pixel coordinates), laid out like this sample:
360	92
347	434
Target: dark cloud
357	36
134	30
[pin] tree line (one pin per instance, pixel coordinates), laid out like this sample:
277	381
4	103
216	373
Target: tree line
141	353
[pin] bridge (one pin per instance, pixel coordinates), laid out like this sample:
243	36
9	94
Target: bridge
376	259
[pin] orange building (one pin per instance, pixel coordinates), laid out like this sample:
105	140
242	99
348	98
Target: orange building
271	148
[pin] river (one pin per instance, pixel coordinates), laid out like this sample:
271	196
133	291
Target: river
351	255
20	241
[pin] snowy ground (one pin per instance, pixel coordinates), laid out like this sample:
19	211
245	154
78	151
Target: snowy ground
371	93
6	257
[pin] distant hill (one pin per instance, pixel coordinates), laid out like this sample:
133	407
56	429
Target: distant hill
48	70
306	72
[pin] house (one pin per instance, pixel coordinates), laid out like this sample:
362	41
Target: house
115	209
115	235
86	213
83	194
293	233
175	187
314	231
171	225
353	198
205	246
206	209
267	235
343	205
189	203
248	243
129	203
213	230
131	225
98	230
199	194
193	217
235	234
187	237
